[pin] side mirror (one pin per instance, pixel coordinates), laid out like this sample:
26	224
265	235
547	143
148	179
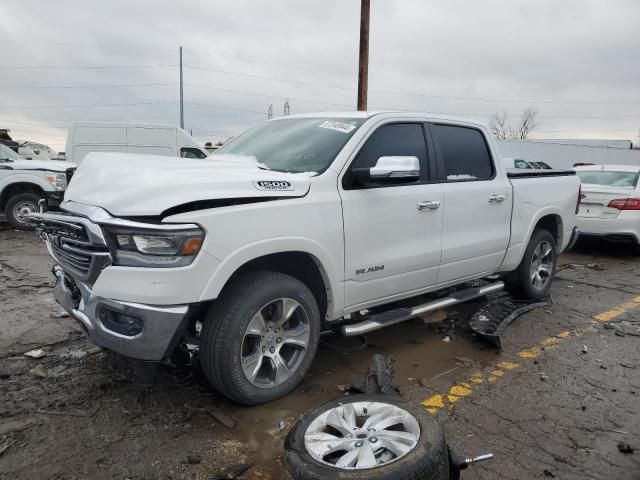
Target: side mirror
398	168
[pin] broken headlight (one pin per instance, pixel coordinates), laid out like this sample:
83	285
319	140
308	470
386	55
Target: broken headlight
154	248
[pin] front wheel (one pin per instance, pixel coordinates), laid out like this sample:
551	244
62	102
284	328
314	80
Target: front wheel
260	337
19	207
532	279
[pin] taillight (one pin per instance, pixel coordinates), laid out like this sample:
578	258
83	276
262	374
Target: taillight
579	198
625	203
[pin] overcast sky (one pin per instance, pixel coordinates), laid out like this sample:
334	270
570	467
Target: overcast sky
576	61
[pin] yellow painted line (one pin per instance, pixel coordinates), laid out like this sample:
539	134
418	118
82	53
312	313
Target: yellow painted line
619	310
529	353
462	389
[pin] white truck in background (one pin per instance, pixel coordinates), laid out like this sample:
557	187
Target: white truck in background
301	224
23	183
144	138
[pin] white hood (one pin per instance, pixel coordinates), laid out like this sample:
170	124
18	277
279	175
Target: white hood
127	184
49	165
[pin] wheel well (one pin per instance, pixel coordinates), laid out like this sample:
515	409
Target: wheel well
16	188
300	265
553	224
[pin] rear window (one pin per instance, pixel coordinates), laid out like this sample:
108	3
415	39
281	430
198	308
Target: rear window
608	179
464	152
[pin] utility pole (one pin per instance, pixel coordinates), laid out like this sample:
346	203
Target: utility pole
270	112
181	94
363	69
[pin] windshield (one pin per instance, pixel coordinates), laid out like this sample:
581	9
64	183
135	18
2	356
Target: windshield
295	144
609	179
7	154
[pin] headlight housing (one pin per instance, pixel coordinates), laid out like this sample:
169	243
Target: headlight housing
58	180
133	247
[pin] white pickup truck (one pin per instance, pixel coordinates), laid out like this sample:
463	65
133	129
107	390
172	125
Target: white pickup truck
23	183
300	225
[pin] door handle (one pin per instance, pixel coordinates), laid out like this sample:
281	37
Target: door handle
497	198
429	205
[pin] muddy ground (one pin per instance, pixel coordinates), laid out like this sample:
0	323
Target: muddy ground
554	404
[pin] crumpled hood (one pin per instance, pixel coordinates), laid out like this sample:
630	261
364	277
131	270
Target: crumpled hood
49	165
127	184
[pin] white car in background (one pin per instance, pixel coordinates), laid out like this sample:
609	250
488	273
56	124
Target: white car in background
610	206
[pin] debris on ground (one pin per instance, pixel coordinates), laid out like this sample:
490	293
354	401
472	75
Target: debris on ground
625	448
446	338
39	371
6	446
595	266
438	316
584	349
37	353
282	428
544	377
194	459
464	362
379	378
233	473
94	350
222	418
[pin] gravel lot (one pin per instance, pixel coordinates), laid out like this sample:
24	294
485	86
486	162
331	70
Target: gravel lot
554	404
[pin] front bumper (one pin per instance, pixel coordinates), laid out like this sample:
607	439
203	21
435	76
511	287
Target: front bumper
161	325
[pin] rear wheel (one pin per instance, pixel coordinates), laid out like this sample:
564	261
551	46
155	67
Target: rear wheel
19	207
260	337
532	279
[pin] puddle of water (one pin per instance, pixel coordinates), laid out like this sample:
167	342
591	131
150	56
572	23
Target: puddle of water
418	350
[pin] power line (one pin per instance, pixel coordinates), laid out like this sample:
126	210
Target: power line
416	94
82	67
223	107
86	106
25	87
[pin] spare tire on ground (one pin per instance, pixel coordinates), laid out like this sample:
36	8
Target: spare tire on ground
374	437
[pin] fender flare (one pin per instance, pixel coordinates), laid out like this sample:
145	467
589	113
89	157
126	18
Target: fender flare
24	178
328	268
514	258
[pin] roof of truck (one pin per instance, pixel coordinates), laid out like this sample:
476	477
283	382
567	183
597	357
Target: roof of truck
372	113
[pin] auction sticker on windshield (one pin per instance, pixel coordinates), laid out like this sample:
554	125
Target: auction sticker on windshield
338	126
273	185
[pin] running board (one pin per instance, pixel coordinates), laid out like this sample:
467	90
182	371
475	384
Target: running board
391	317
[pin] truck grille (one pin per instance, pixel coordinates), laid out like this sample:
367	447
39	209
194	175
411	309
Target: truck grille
75	243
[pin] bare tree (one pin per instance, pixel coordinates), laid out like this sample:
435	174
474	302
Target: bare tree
527	123
500	128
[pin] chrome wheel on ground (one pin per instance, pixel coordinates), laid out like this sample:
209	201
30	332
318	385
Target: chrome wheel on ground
362	435
377	437
542	265
275	342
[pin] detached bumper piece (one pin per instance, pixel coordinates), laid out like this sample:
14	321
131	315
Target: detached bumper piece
144	332
500	310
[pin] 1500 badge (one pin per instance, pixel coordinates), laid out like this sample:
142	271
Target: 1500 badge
273	185
375	268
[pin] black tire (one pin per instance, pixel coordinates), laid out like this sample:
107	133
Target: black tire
26	198
225	326
518	282
429	460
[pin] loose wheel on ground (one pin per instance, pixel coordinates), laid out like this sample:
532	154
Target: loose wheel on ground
260	337
373	437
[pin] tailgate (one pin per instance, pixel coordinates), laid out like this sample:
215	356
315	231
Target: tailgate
595	200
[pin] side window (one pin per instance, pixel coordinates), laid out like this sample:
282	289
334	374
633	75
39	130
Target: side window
397	139
464	153
187	152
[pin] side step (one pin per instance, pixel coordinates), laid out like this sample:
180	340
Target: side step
391	317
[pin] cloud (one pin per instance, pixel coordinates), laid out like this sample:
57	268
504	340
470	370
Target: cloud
455	56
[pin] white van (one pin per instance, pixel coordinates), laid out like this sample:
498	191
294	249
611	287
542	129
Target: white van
147	138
